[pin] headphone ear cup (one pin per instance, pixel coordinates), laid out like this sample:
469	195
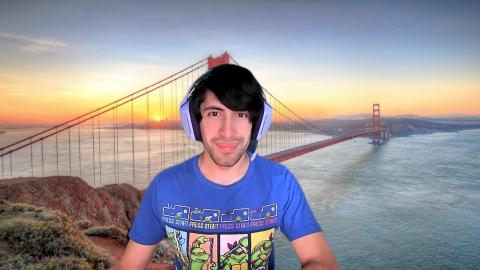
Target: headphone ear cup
195	125
186	118
264	121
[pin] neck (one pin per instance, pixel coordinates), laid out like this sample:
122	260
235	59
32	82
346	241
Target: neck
220	174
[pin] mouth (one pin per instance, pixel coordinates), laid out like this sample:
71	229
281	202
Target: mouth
227	147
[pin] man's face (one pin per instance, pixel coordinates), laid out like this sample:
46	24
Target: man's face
225	133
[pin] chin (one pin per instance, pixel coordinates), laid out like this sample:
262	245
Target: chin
227	159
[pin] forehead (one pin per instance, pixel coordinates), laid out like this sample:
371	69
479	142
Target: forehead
210	100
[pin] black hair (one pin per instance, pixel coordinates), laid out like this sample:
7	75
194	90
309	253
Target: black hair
234	86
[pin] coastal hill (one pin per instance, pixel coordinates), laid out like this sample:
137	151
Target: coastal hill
109	205
91	223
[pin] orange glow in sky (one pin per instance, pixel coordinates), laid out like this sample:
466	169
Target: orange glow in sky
27	102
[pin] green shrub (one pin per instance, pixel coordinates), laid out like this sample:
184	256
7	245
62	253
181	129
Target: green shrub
83	224
10	260
109	231
164	253
9	210
62	263
36	238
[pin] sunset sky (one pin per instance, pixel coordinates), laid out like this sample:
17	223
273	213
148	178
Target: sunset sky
321	58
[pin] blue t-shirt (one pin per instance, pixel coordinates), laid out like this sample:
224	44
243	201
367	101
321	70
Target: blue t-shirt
212	226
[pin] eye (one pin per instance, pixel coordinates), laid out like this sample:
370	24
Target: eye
213	114
242	115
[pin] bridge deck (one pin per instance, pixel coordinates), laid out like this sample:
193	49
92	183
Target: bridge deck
301	150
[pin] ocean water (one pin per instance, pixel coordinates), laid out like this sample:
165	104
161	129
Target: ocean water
102	156
412	203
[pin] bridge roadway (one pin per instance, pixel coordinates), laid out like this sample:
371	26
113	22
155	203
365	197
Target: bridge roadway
301	150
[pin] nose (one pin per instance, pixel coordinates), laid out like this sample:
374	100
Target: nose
227	128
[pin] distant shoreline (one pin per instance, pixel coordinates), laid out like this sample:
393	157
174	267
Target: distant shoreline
399	127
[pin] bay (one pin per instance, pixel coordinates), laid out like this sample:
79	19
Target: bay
411	203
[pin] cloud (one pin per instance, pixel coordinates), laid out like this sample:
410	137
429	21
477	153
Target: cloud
34	45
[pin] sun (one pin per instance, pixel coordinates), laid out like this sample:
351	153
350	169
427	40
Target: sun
157	118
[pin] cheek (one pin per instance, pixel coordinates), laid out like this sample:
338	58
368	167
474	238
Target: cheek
247	130
205	129
208	132
202	131
211	129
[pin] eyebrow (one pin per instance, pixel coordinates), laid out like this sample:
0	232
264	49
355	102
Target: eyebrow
212	108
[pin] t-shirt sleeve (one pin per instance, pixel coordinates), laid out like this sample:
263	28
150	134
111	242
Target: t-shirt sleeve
298	219
147	228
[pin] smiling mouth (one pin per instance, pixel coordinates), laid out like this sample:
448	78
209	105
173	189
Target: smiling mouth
227	147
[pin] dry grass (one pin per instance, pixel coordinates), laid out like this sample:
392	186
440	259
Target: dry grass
109	231
36	238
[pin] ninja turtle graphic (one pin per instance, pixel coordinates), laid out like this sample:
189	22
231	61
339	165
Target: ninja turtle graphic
237	256
261	253
199	257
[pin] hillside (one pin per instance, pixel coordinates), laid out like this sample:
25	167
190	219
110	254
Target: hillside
36	238
96	218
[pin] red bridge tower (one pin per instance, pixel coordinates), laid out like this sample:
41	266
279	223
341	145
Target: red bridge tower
377	136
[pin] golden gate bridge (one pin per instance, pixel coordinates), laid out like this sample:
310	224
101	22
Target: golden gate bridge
134	137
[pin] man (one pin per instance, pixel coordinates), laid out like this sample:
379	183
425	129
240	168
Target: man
221	209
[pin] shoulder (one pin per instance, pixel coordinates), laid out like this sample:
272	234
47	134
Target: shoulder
271	167
267	163
174	173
